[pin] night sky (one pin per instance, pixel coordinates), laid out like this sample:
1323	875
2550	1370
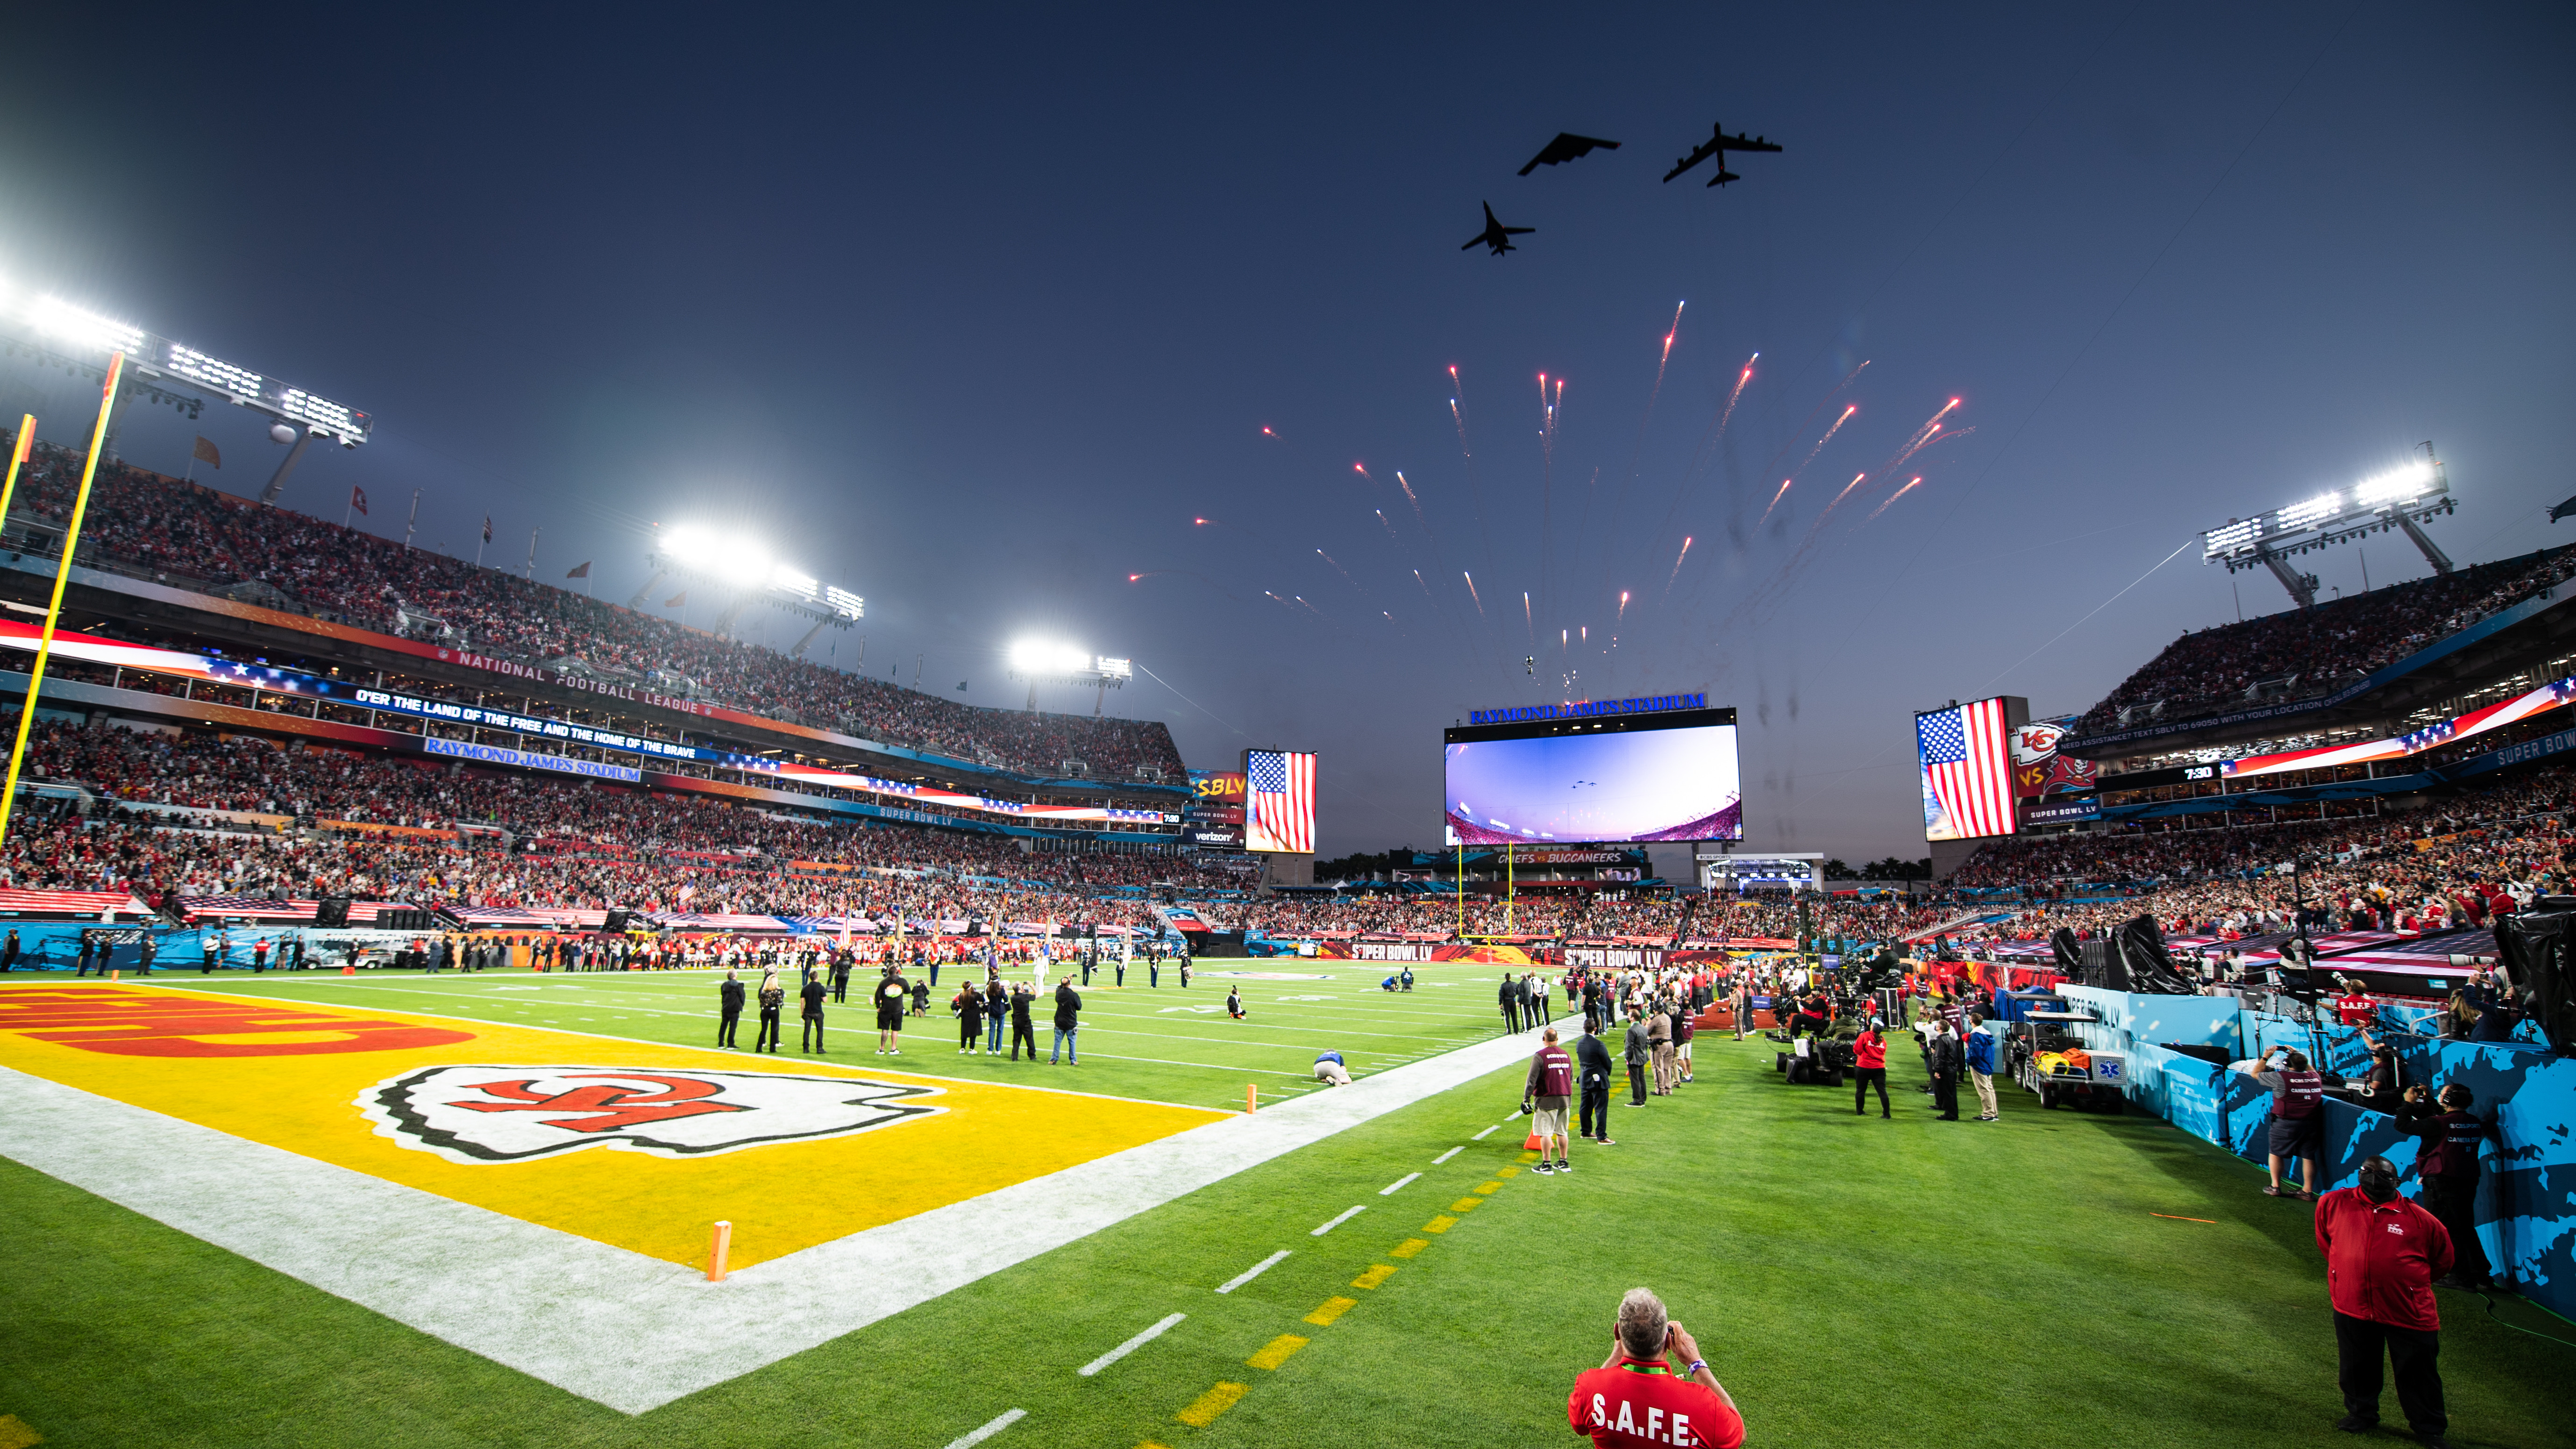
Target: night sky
975	314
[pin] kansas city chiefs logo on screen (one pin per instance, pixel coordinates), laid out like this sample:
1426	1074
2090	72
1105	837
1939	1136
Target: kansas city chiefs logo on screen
483	1114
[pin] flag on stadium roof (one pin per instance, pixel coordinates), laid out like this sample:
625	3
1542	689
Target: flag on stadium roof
358	498
205	452
582	572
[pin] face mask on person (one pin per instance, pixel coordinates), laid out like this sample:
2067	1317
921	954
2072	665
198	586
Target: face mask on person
2379	1180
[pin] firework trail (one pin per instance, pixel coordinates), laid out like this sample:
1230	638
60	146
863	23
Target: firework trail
1426	585
1529	625
1471	592
1891	498
1363	472
1775	502
1827	438
1685	553
1623	600
1382	523
1741	379
1838	498
1416	500
1475	485
1337	568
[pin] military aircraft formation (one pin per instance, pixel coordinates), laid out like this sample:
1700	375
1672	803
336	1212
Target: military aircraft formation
1567	146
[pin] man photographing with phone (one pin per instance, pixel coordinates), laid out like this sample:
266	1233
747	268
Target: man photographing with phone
1637	1398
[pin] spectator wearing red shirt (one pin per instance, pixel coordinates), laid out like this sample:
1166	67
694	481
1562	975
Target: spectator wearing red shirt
2354	1007
2382	1254
1636	1399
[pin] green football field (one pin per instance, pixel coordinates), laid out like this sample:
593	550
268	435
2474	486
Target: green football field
2051	1279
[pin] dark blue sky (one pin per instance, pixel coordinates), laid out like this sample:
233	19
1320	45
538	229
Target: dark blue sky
974	315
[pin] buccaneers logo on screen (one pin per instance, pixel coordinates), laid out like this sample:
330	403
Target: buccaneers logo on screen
484	1114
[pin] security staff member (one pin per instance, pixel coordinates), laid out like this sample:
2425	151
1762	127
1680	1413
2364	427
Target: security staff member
729	997
2382	1255
2448	1165
773	999
840	977
1509	999
88	951
1638	1053
1946	1061
810	1025
1592	1068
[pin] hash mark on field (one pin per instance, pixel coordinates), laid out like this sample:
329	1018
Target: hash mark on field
1337	1222
1440	1224
1389	1189
1204	1409
1505	1172
974	1437
1276	1352
1377	1273
1466	1204
15	1433
1445	1156
1488	1132
1330	1309
1408	1247
1489	1188
1130	1346
1255	1271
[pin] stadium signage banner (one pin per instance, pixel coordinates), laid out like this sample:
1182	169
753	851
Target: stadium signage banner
498	719
529	760
2070	813
1585	709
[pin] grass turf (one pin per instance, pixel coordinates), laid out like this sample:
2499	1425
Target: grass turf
1852	1280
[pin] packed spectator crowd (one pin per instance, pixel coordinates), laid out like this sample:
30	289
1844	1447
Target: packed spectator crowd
165	528
2456	864
2326	646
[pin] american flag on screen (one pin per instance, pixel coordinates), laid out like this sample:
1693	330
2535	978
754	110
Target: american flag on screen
1967	769
1279	800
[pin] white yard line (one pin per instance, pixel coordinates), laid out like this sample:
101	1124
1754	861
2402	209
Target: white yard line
1130	1346
1445	1156
1338	1221
543	1301
1488	1132
1389	1189
973	1437
1255	1271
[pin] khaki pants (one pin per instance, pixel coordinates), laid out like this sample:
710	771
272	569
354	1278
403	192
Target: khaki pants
1985	1083
1663	1067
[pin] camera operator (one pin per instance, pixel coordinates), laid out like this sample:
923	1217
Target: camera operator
1635	1398
2448	1165
2298	1114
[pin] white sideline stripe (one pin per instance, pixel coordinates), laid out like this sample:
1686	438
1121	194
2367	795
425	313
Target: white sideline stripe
1481	1136
1130	1346
542	1301
1445	1156
1255	1271
973	1437
1338	1221
1389	1189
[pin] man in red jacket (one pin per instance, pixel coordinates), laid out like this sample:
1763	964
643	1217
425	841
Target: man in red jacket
2382	1254
1635	1399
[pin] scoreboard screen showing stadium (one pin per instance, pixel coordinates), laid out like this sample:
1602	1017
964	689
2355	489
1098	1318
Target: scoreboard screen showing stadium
1671	775
1279	801
1966	756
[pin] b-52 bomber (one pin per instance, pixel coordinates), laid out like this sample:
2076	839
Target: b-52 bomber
1717	145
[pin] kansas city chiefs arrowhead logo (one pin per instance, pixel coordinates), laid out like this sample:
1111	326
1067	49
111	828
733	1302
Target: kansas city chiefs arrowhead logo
484	1114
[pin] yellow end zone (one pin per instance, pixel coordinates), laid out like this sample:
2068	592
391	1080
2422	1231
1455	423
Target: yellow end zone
634	1144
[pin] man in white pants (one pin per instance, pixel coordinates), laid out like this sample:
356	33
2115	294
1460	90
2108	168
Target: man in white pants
1981	1065
1330	1071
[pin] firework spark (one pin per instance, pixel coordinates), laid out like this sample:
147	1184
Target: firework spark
1891	498
1623	599
1471	592
1827	438
1426	585
1775	502
1685	553
1741	379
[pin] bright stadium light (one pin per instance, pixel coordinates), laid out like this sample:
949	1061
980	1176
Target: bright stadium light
2401	499
1048	661
746	566
88	329
1041	656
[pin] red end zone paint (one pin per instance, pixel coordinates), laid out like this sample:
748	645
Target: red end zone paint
146	1024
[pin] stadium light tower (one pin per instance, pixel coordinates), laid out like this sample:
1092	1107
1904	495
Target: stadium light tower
54	329
1041	661
742	565
2402	499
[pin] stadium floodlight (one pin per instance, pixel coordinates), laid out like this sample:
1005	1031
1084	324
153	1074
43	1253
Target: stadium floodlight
1046	661
82	336
2401	499
746	567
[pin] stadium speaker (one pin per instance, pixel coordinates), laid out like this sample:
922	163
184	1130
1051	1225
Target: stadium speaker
2533	948
332	913
2069	953
2141	953
617	922
2101	966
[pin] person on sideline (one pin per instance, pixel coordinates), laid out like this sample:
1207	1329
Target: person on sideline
2447	1167
2382	1254
1509	1000
1981	1066
2298	1115
1234	1002
1547	1093
1638	1054
773	997
892	995
1636	1399
1945	1058
1869	1053
1068	1006
809	1031
1330	1071
728	1010
1592	1068
1022	1032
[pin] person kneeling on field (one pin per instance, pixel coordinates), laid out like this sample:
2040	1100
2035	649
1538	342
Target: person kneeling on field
1635	1398
1330	1071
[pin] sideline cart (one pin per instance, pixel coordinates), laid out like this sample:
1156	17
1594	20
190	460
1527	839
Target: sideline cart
2091	1081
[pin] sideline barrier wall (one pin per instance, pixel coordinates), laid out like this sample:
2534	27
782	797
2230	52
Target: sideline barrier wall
2525	1218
